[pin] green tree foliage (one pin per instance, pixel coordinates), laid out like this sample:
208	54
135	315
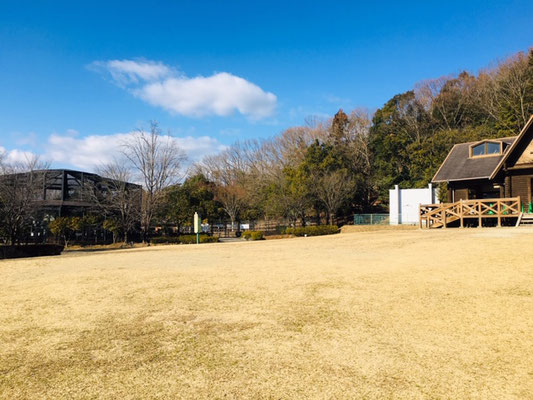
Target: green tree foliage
338	128
400	124
181	201
65	227
112	225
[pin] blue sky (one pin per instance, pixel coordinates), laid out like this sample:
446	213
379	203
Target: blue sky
76	75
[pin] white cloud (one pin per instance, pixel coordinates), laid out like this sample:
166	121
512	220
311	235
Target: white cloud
89	152
220	94
15	156
126	72
85	153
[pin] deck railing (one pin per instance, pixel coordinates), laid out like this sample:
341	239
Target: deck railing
440	215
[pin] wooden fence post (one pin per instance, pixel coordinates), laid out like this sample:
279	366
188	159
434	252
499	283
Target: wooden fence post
461	213
480	225
499	210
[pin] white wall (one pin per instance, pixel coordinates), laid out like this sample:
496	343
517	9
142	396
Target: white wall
403	203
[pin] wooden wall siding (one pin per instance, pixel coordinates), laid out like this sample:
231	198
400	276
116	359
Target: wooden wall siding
527	155
521	186
522	153
507	184
460	194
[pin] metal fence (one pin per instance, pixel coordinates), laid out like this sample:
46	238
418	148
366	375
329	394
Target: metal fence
371	219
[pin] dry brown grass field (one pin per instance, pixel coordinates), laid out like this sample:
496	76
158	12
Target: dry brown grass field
382	314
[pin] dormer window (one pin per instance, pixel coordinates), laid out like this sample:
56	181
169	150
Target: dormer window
486	149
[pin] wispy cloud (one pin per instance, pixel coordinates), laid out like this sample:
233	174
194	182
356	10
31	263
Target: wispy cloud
330	98
125	72
26	139
230	132
220	94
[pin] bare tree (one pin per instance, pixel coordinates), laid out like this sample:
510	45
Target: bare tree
289	199
158	161
505	92
2	162
21	187
122	200
228	170
333	190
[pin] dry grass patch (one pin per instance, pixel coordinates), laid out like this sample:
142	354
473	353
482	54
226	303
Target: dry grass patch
375	314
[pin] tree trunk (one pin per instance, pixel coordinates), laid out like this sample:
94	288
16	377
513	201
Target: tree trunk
331	217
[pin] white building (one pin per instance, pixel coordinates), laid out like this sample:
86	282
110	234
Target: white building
404	203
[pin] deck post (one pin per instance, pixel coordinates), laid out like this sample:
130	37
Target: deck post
420	216
443	217
480	225
461	212
499	208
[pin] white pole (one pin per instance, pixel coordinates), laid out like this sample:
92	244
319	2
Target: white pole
197	227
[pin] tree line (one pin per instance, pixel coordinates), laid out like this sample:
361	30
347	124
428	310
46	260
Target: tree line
329	170
323	171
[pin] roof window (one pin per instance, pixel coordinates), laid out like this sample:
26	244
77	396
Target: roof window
486	149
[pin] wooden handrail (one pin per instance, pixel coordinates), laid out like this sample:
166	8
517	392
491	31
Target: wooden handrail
439	215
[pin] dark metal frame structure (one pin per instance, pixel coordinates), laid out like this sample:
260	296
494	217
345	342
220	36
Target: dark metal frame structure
67	192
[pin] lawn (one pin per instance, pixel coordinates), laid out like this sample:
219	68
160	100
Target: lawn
367	314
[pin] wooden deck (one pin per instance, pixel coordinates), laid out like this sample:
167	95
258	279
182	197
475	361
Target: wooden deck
442	215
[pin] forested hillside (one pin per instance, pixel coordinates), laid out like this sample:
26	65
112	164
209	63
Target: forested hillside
347	164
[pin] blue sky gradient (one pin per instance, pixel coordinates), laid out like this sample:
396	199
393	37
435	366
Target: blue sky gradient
313	56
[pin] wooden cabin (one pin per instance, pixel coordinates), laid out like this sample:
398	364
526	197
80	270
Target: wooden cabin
492	168
487	180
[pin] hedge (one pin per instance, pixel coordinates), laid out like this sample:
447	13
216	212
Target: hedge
183	239
313	230
253	235
191	239
30	250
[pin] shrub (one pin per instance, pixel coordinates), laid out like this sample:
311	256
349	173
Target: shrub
253	235
30	250
191	239
313	230
208	239
165	240
188	239
183	239
257	235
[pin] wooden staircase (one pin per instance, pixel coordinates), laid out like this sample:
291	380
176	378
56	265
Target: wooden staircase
442	215
525	219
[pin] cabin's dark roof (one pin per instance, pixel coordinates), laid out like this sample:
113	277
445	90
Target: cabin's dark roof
459	166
